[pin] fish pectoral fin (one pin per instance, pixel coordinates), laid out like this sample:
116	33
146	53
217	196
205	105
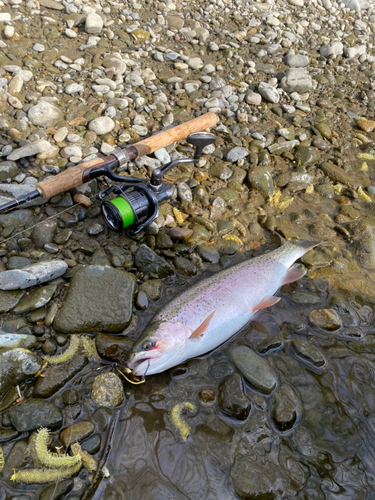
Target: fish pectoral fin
198	333
293	274
266	302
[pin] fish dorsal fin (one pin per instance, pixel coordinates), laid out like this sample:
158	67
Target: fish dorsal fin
293	274
197	334
266	302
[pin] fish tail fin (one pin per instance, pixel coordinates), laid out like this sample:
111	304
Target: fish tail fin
304	245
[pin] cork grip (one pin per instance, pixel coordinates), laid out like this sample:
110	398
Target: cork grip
73	177
175	134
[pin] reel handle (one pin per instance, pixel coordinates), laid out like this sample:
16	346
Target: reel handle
75	176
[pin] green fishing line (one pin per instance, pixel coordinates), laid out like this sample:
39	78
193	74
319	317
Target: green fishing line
125	209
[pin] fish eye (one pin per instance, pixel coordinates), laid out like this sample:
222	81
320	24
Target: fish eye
148	344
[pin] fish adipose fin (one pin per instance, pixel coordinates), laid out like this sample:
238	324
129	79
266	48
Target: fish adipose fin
293	274
266	302
198	333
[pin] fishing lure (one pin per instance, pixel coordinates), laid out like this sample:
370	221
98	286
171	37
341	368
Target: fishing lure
178	215
44	476
175	417
232	237
2	462
67	354
52	460
364	195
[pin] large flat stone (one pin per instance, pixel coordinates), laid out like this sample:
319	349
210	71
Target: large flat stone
100	298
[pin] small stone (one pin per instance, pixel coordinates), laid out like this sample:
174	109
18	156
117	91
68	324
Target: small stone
102	125
8	170
44	114
232	399
332	50
328	319
195	63
44	232
237	153
269	92
15	85
366	125
284	414
355	52
94	23
73	88
39	47
304	298
185	266
261	179
180	233
107	390
134	79
252	480
253	98
70	33
35	300
208	254
254	368
76	432
309	353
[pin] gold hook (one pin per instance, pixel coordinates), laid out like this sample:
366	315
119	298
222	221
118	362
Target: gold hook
135	380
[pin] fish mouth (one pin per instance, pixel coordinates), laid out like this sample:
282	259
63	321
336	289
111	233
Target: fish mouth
141	362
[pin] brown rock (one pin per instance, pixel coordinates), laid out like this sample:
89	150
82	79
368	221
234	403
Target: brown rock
328	319
179	233
76	432
366	125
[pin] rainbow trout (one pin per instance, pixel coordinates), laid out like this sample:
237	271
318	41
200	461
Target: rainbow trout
211	312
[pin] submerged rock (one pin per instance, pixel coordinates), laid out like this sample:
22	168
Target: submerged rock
254	368
107	390
328	319
100	298
32	275
309	353
232	399
9	299
35	413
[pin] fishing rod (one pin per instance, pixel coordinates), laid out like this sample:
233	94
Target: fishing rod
137	202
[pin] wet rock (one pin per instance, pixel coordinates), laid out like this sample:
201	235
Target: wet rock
227	194
76	432
16	365
328	319
100	298
208	254
141	301
304	298
284	415
261	179
304	441
232	399
306	155
254	368
152	288
309	353
44	114
185	266
44	232
57	377
10	299
32	414
252	481
337	174
148	262
36	299
14	340
163	240
364	124
113	348
32	275
364	250
107	390
16	262
59	490
180	233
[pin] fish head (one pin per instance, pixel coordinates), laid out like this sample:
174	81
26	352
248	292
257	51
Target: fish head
158	345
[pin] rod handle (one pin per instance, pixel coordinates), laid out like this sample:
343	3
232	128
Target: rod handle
74	177
167	137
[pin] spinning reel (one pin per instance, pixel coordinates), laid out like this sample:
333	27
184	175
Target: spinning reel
137	204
